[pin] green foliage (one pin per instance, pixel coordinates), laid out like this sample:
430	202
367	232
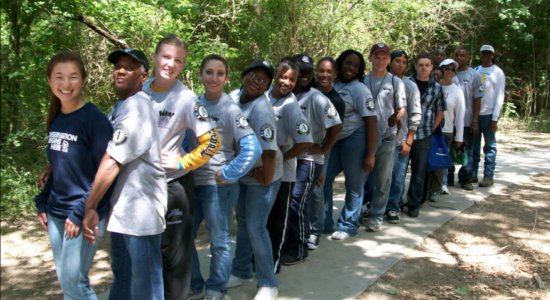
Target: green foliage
242	31
21	163
509	110
540	123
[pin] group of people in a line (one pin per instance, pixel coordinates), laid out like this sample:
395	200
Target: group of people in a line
164	160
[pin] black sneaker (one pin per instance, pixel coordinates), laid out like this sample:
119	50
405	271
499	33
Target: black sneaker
392	217
413	212
467	186
289	260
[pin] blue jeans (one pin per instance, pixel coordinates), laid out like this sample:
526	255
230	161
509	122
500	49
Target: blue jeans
419	164
253	207
398	175
379	180
73	259
347	155
466	173
317	205
489	148
214	204
136	262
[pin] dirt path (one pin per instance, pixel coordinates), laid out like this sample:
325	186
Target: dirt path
491	251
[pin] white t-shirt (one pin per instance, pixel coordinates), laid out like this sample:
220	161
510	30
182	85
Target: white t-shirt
387	100
292	128
321	115
139	199
177	110
493	88
454	115
359	103
470	82
232	126
262	121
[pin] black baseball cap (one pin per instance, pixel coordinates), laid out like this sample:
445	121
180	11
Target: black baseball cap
304	62
260	64
133	53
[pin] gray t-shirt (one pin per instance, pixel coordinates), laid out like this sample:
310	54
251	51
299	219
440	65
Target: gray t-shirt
139	199
292	128
359	104
232	126
472	87
320	114
411	119
177	110
389	94
262	121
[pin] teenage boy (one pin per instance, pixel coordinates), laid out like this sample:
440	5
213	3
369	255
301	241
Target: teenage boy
405	135
388	93
470	82
137	209
433	105
493	81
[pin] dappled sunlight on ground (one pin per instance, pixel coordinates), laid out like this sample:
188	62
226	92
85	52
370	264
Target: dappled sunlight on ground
492	250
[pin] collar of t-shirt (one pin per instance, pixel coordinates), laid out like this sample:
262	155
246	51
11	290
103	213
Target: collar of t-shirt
157	89
422	85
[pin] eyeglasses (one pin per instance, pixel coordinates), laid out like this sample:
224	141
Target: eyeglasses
450	69
253	77
127	67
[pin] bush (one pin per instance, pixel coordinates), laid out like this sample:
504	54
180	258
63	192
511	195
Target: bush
22	158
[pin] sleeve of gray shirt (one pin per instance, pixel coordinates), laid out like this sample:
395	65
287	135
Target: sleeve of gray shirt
414	111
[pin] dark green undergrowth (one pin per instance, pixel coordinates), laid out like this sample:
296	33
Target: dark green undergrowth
22	157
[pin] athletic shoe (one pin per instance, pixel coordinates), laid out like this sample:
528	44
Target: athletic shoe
236	281
267	293
444	190
313	242
392	217
373	225
413	212
212	297
340	235
486	182
289	260
467	186
434	197
195	295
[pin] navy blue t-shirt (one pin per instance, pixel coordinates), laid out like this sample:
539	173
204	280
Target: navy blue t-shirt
76	143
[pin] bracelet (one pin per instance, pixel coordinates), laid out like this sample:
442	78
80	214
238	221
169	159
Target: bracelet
408	144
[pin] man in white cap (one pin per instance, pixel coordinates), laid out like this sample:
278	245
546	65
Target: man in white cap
493	81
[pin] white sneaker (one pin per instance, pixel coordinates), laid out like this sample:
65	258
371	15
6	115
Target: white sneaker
340	235
444	190
267	293
313	242
236	281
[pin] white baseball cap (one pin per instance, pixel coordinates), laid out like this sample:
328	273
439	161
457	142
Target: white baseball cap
487	48
447	62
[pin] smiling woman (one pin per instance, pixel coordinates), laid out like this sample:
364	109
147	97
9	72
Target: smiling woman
78	136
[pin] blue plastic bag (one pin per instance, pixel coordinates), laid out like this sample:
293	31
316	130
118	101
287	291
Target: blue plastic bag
439	157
